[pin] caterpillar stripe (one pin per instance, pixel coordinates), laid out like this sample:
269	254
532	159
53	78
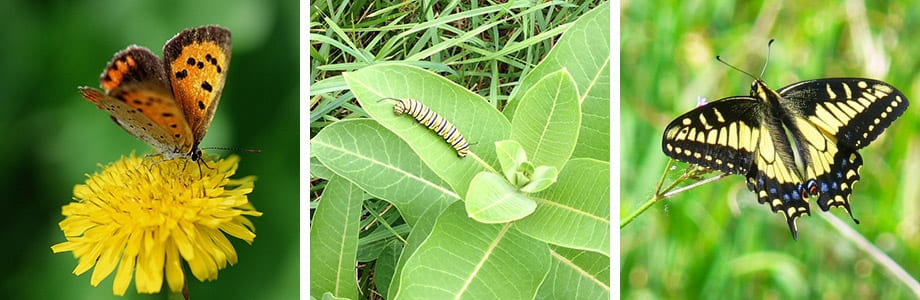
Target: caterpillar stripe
433	121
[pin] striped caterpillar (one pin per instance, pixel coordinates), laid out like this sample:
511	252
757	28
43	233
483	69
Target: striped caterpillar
433	121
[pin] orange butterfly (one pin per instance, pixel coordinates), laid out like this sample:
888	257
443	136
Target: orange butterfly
167	103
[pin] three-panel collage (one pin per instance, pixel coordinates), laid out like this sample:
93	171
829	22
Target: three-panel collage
520	149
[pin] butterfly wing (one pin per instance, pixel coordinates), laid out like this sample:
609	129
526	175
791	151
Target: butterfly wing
735	135
855	111
196	62
718	135
138	100
148	114
132	65
832	118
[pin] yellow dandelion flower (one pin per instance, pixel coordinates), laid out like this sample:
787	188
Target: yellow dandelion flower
145	218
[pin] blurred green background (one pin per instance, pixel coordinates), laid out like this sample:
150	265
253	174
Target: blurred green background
717	242
52	136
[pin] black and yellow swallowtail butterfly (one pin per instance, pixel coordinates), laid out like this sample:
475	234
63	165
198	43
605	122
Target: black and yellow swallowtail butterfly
433	121
829	119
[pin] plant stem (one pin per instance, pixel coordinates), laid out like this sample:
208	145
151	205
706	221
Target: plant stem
669	191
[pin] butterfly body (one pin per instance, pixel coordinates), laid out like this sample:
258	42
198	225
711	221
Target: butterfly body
827	120
168	103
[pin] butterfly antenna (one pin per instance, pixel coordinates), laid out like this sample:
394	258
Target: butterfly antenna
769	49
237	149
733	67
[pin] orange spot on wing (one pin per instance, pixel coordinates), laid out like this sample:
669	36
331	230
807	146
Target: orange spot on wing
116	72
